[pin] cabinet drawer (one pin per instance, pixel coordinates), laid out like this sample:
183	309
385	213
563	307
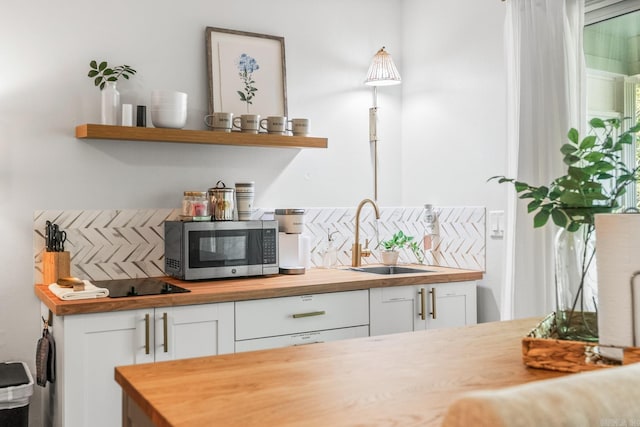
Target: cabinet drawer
302	338
290	315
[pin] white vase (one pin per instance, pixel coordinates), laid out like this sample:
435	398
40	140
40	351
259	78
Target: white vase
390	257
110	104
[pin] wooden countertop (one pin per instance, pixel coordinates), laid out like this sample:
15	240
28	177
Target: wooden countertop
406	379
313	281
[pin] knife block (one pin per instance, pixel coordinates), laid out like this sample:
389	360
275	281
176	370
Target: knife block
54	266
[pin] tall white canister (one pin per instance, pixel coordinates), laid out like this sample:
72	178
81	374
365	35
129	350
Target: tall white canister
618	261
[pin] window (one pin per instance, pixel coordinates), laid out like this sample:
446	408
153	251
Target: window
612	55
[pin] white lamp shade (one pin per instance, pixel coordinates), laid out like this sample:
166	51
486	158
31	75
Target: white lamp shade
383	71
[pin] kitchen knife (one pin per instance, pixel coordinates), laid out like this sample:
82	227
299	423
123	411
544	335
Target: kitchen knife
54	236
47	236
61	237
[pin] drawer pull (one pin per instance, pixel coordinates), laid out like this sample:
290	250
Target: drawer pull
310	314
433	303
308	343
146	333
164	329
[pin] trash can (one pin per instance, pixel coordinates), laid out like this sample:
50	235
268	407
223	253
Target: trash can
16	388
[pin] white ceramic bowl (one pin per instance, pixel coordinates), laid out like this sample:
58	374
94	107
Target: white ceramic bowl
175	107
169	100
169	118
168	96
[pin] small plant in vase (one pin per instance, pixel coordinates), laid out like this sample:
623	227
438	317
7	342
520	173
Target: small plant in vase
101	73
395	243
106	79
596	178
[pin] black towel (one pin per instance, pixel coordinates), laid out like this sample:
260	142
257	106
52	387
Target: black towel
45	359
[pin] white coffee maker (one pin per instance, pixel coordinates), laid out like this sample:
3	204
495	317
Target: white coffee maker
294	247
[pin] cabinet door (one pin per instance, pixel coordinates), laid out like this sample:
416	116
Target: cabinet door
193	331
451	305
395	309
413	308
91	346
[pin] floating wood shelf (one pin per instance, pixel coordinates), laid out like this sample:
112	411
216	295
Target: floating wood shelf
129	133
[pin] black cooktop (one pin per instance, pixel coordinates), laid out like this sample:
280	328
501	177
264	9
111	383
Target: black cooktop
138	287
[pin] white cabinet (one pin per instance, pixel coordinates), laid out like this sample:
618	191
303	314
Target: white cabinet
89	346
306	319
193	331
413	308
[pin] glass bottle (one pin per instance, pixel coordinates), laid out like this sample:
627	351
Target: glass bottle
195	204
576	284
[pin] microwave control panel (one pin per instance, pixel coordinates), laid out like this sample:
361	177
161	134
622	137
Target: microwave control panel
270	246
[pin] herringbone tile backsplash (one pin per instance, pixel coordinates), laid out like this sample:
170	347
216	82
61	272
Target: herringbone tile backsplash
129	243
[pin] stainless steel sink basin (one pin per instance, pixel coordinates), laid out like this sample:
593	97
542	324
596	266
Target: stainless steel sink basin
390	269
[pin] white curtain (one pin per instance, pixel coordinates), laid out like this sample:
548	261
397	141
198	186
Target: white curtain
547	91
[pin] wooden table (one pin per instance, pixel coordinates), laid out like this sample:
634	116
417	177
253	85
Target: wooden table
403	379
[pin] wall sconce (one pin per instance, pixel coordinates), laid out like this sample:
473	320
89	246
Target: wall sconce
382	72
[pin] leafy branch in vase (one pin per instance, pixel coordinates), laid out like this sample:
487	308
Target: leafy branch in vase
102	73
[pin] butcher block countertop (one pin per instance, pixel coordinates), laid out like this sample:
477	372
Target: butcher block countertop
406	379
315	280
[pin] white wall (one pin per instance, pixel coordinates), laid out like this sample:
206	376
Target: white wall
454	115
442	131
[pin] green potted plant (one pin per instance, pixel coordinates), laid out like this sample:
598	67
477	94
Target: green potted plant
399	241
596	178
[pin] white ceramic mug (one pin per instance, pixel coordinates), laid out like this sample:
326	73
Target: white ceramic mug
299	127
249	123
245	192
274	124
221	122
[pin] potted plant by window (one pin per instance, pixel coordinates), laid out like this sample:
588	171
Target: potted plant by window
596	178
394	244
106	79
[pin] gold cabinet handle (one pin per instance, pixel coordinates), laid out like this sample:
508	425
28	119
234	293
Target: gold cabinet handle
146	333
308	343
310	314
433	302
164	329
423	304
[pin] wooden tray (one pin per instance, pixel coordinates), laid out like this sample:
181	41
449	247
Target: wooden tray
542	349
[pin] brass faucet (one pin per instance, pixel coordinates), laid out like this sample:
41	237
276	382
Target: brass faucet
356	250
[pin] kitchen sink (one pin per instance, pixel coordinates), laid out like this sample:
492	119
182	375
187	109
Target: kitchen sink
390	269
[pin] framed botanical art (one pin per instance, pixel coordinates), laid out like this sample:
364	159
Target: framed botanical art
247	73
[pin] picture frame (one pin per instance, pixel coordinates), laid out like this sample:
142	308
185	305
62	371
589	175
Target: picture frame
246	73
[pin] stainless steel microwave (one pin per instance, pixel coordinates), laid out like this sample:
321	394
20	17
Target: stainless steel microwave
212	250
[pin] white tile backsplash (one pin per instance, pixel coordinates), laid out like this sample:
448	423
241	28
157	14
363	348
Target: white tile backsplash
129	243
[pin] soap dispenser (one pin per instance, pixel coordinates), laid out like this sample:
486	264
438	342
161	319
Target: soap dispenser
430	227
330	255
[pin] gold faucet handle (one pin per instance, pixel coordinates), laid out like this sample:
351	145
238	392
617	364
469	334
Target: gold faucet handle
366	251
